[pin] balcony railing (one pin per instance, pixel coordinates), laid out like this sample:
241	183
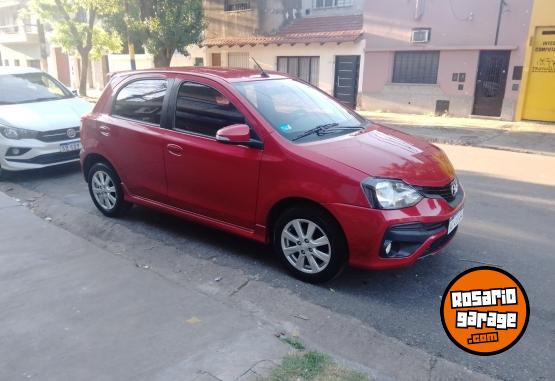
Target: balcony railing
237	5
18	33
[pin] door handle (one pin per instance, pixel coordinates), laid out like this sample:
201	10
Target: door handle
104	130
174	149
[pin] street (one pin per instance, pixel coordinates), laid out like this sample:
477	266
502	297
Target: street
509	223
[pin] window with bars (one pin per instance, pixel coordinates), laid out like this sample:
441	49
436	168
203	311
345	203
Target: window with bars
416	67
237	5
238	60
331	3
305	68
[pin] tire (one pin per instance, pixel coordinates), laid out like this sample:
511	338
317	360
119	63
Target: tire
322	254
106	191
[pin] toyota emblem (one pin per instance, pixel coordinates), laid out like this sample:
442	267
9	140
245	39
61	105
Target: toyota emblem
454	187
71	133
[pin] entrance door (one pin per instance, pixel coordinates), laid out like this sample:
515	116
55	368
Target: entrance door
490	82
540	102
346	79
216	59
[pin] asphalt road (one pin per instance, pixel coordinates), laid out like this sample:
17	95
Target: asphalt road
509	222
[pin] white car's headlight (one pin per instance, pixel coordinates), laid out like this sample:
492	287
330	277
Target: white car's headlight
17	133
390	194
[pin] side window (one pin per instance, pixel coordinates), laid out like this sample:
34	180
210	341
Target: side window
203	110
141	100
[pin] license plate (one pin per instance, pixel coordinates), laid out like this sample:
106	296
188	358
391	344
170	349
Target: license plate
68	147
455	221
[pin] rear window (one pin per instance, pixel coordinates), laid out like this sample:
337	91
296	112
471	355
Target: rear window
29	88
141	100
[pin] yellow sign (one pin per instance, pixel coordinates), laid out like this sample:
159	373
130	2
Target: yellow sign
540	102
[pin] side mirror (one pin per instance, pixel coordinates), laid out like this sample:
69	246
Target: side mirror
74	92
237	134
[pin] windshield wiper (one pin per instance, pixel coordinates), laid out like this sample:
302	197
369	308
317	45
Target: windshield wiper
325	129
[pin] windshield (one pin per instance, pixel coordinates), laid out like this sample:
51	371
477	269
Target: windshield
30	87
299	112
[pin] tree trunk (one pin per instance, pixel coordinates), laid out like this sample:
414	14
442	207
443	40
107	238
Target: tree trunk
84	73
163	57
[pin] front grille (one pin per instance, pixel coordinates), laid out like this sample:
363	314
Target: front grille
434	192
57	135
50	158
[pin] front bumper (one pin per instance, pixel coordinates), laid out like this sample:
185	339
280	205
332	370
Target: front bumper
417	231
37	154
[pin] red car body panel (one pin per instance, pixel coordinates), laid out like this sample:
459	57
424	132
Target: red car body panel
235	188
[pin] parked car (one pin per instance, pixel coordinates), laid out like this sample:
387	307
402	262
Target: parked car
39	120
271	158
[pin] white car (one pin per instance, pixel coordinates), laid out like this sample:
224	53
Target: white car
39	120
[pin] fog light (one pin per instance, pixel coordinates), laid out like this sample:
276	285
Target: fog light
387	247
15	151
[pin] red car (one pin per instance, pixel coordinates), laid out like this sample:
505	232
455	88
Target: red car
271	158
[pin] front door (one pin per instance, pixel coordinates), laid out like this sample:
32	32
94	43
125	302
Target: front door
205	176
346	79
490	82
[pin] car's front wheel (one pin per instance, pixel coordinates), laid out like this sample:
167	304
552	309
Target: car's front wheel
106	191
310	243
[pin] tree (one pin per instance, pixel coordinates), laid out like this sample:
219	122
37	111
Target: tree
76	29
167	26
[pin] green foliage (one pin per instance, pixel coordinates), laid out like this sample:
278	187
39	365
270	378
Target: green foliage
164	26
173	24
295	343
300	367
75	24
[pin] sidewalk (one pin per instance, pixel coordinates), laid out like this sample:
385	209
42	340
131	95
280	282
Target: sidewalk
72	309
528	137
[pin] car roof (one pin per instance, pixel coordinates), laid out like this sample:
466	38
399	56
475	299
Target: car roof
10	70
227	74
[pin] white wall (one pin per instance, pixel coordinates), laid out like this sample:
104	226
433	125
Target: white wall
267	57
120	62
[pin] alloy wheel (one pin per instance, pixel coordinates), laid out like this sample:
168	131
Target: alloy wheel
104	190
306	246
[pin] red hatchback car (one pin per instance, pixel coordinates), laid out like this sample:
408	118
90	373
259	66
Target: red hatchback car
274	159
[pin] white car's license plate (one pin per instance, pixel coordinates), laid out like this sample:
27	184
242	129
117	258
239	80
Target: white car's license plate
455	221
67	147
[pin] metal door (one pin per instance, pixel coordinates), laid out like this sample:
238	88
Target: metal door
346	79
490	82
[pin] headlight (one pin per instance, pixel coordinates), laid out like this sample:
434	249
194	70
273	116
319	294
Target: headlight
17	133
390	194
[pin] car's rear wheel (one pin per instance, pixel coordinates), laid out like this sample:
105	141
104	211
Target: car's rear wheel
106	191
310	243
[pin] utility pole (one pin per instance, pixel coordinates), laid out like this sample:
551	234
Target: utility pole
43	47
130	45
501	6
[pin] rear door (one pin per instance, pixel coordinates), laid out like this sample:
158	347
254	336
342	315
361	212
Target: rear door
131	136
205	176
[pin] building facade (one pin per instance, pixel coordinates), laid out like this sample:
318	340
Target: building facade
458	57
320	41
19	38
536	101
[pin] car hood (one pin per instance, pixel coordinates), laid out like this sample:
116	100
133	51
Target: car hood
45	116
383	152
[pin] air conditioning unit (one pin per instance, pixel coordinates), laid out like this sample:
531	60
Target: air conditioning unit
420	35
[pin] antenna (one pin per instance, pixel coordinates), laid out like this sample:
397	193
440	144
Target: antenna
263	74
